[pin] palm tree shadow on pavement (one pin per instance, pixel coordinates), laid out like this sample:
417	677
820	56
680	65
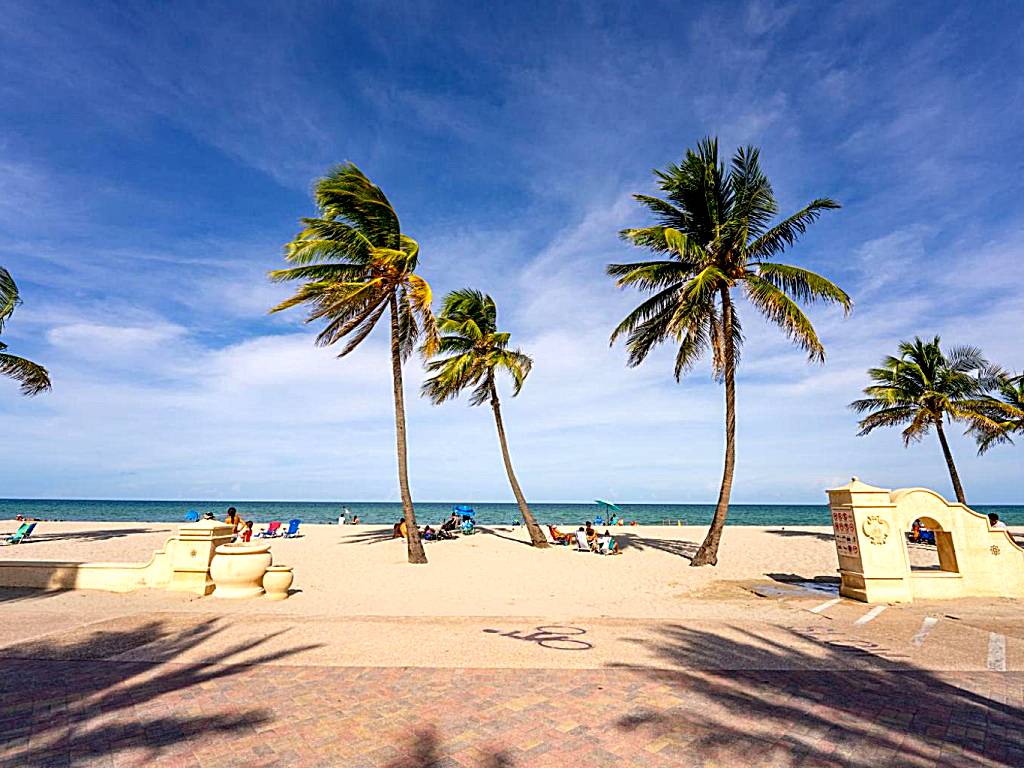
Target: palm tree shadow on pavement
425	749
68	700
746	698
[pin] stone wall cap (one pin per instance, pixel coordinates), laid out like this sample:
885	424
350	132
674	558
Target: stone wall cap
856	486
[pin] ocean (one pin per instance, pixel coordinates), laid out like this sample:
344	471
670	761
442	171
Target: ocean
431	512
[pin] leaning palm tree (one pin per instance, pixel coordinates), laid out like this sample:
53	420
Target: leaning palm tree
1000	414
356	264
714	234
32	376
475	352
922	388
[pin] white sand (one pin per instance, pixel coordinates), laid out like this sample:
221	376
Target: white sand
360	571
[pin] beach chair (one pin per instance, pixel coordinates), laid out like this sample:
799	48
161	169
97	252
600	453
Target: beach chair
293	529
23	532
558	537
271	532
582	545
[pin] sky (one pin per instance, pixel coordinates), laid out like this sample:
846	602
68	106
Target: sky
154	158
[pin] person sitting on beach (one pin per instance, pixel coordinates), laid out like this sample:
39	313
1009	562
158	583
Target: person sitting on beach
429	534
582	544
607	545
398	532
355	519
995	523
915	531
234	519
591	534
247	532
208	516
451	525
341	518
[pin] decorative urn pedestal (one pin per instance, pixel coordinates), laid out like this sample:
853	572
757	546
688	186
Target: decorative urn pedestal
237	569
277	581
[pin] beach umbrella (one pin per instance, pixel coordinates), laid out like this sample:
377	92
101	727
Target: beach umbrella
191	516
463	510
607	504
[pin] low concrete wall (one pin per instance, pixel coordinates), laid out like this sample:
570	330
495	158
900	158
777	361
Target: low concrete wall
109	577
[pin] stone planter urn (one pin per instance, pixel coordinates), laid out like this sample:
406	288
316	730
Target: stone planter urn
237	569
277	581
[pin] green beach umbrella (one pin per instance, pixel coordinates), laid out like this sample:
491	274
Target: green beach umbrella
607	504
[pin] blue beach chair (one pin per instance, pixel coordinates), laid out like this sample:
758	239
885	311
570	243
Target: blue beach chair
23	532
293	529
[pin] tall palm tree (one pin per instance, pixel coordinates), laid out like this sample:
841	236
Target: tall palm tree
476	352
999	415
356	264
714	234
922	388
32	376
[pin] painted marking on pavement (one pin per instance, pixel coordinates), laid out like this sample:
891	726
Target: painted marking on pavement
824	606
996	652
922	633
870	615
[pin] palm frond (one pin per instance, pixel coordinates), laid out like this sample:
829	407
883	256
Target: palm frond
783	311
786	232
9	299
33	377
804	285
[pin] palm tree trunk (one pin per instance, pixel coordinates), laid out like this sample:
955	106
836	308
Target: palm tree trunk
536	534
708	552
957	488
416	553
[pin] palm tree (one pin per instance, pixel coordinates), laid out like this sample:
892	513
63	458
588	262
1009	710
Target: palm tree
713	235
476	353
922	388
356	264
1000	415
33	377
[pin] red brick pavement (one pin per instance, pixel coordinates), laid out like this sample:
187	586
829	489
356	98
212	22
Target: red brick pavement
56	712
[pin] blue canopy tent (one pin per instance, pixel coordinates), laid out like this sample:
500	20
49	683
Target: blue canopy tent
462	510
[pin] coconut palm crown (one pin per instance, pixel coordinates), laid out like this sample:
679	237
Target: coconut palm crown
999	414
921	388
355	264
714	234
471	353
33	377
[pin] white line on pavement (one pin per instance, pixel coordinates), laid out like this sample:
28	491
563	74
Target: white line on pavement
922	633
996	652
824	606
870	615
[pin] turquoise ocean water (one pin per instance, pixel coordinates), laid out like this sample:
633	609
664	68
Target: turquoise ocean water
429	512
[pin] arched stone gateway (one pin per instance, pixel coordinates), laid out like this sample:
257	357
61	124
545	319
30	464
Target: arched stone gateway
869	524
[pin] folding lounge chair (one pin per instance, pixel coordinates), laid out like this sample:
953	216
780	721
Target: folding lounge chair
582	545
23	532
293	529
271	532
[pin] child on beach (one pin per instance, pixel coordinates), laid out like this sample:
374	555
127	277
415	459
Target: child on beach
247	532
608	545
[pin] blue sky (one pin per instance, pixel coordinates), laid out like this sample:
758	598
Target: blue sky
154	158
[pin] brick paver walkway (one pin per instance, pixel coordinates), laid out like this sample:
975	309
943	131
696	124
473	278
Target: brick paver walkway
57	712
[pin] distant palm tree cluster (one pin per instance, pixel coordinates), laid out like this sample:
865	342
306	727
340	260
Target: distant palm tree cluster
715	236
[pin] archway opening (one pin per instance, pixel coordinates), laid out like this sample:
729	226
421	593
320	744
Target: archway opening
929	547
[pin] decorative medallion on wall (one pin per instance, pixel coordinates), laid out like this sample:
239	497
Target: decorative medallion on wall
876	529
994	549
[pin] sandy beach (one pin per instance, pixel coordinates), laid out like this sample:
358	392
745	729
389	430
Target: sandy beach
361	571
